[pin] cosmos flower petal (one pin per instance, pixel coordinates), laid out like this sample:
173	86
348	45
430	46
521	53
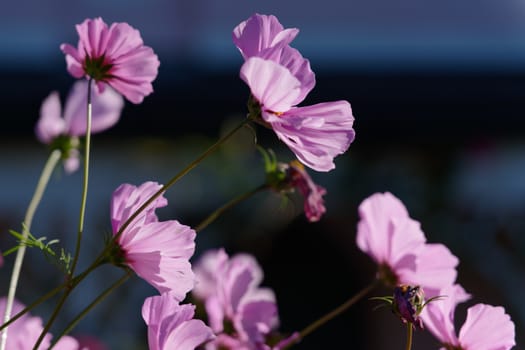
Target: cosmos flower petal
260	32
487	327
50	124
438	315
317	133
171	326
106	109
271	84
375	227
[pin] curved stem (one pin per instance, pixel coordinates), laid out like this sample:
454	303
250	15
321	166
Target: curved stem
85	180
213	216
177	177
88	308
410	328
50	165
332	314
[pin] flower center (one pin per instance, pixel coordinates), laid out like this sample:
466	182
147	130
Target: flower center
97	68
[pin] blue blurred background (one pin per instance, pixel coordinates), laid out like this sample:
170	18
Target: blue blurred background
438	93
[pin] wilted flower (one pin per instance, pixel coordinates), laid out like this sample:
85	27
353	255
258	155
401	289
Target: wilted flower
279	79
398	245
486	327
115	55
23	333
61	130
158	251
172	326
233	299
282	177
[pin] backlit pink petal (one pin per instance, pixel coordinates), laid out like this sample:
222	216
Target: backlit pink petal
158	251
114	55
296	64
73	61
239	300
50	124
398	245
171	326
438	315
106	109
317	133
260	32
487	327
403	247
127	199
271	84
376	225
207	270
436	268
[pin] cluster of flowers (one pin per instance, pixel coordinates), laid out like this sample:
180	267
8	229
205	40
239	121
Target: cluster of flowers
240	314
417	269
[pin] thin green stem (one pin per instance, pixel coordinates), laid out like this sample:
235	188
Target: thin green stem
332	314
410	328
177	177
50	165
219	211
88	308
85	181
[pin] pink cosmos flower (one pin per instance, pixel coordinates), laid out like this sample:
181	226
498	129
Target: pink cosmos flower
23	333
316	134
53	126
231	293
171	326
398	245
279	79
486	327
115	55
158	251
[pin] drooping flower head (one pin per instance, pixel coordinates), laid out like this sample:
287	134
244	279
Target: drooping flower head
172	326
114	55
230	290
158	251
23	333
279	79
486	327
62	129
397	244
284	178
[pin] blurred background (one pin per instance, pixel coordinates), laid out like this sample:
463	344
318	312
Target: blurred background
437	90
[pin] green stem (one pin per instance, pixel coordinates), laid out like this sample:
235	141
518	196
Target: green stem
88	308
332	314
177	177
85	180
213	216
410	328
50	165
